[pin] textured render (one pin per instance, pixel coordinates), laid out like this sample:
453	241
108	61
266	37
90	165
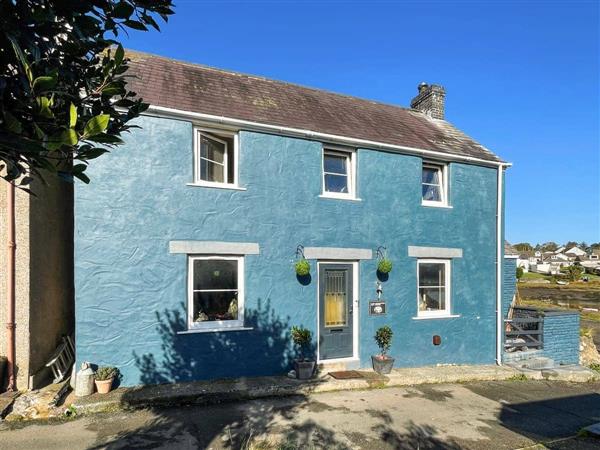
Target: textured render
131	292
22	284
44	274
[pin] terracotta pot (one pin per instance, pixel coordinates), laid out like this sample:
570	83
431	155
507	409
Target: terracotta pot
103	386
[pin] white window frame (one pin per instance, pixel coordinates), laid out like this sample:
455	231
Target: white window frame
214	135
447	285
215	325
443	177
350	155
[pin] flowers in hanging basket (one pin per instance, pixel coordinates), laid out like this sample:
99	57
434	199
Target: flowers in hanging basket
385	265
302	268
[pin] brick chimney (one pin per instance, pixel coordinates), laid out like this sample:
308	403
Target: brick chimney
430	100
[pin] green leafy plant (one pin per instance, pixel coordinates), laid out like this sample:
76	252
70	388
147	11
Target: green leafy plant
302	338
106	373
383	338
385	265
519	273
573	272
595	366
64	98
302	267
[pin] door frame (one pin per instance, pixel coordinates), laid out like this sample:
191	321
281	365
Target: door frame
355	310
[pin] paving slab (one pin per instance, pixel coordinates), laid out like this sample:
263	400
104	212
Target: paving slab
219	391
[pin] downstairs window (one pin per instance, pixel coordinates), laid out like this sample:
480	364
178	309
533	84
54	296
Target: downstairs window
216	294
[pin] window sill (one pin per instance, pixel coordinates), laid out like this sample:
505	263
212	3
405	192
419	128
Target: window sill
217	186
335	197
445	316
436	205
215	330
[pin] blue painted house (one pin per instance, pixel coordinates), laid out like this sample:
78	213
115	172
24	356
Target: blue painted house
185	241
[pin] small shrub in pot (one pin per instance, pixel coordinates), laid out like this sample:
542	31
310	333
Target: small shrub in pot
383	363
104	378
304	366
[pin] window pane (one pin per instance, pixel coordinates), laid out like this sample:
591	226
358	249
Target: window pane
210	306
335	298
210	171
432	193
211	149
215	274
432	299
432	274
431	176
336	183
335	164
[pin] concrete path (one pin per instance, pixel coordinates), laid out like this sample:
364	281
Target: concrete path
479	415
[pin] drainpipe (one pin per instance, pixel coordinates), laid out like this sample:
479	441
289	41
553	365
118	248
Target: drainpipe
10	295
499	321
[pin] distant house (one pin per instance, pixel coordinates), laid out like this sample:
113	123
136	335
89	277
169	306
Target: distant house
574	252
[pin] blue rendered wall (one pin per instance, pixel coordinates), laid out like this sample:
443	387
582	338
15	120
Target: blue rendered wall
561	336
131	293
509	284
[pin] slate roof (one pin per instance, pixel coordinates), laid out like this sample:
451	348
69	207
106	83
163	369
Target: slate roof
509	250
190	87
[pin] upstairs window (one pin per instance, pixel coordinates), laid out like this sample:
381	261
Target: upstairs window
433	282
434	184
338	174
216	295
215	156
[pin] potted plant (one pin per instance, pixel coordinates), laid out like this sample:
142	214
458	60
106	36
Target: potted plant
383	363
304	366
104	378
302	267
384	266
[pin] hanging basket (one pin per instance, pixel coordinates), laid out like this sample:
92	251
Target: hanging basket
385	265
302	268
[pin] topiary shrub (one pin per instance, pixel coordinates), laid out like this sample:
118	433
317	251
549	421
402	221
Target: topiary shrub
384	266
383	337
302	338
302	268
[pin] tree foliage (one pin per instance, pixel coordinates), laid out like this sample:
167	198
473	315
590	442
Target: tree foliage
63	81
519	273
523	247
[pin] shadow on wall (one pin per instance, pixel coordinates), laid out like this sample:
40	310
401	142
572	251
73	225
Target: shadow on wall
264	350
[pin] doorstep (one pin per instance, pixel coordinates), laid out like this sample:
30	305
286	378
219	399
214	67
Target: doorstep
230	390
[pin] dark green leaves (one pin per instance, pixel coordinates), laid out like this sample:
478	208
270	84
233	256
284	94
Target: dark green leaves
96	125
64	98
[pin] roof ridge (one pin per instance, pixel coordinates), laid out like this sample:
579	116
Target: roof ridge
273	80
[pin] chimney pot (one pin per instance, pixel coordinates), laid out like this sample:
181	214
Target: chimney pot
430	100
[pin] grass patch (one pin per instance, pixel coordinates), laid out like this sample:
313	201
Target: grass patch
586	331
595	367
518	377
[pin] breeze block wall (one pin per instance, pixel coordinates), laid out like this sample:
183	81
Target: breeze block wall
131	293
560	333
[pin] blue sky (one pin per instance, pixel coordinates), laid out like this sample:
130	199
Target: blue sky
521	77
